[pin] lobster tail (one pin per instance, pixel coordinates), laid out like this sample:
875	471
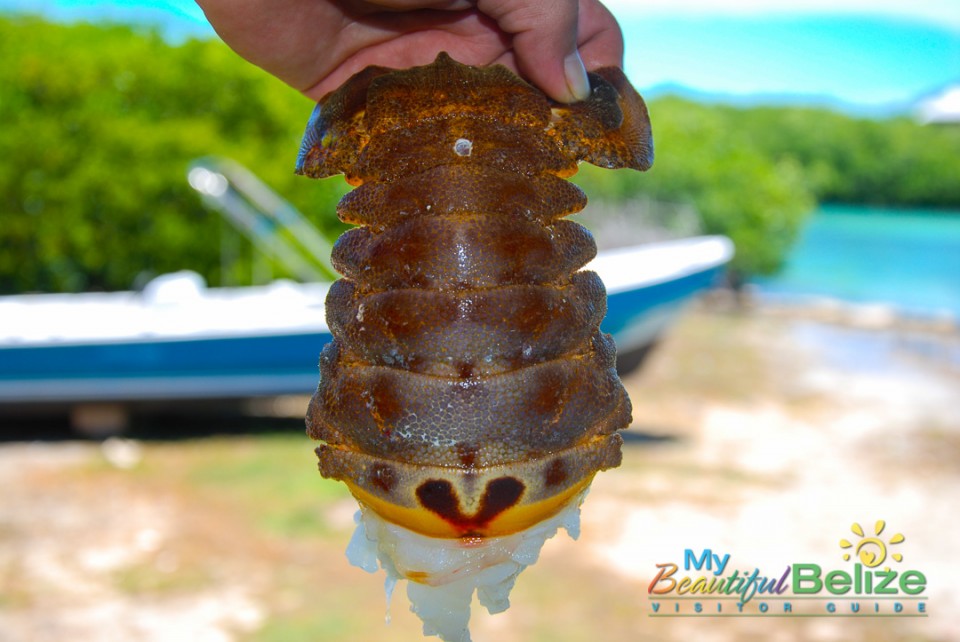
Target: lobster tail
468	390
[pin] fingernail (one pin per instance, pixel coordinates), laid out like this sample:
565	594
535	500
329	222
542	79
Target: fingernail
576	76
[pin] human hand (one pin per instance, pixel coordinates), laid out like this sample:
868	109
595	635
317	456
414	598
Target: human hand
316	45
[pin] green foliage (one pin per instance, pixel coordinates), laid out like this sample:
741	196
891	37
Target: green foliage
101	122
100	126
754	174
760	204
861	161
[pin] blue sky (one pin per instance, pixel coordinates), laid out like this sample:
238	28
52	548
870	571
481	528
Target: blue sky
862	55
871	55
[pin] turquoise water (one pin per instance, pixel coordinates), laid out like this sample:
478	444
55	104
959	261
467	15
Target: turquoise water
909	259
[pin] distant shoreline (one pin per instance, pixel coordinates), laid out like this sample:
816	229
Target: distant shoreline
858	315
863	315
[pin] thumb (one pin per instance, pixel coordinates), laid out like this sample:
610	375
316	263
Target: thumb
545	43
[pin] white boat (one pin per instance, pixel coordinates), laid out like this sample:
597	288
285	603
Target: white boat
178	339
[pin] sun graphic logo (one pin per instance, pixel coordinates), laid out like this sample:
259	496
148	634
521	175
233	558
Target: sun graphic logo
872	551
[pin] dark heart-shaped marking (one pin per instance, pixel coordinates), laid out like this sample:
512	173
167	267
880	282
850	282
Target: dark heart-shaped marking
438	496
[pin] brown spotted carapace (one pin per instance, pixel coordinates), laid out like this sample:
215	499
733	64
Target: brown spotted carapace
468	390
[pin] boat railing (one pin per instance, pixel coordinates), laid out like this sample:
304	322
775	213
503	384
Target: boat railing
272	224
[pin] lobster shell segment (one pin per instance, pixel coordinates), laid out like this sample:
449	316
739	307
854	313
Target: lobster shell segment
468	390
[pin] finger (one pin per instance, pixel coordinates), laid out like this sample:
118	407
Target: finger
600	40
285	37
373	6
409	39
545	41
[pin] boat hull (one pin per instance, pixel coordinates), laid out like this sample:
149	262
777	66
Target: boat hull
648	288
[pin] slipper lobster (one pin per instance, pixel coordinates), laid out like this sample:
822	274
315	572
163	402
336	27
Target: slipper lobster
468	391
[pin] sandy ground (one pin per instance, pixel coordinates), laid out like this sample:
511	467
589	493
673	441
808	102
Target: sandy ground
781	436
757	435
